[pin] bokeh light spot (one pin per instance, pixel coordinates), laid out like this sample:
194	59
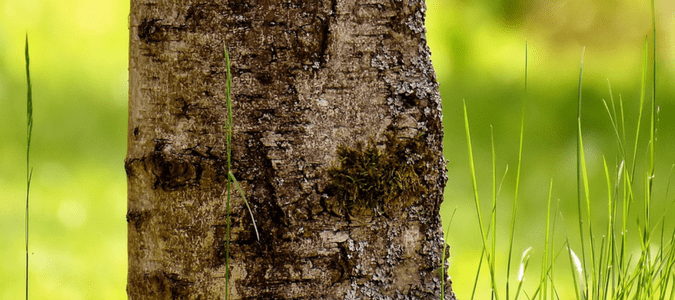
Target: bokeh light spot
72	213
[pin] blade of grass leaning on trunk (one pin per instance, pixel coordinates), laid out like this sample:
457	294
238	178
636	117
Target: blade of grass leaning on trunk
230	176
228	146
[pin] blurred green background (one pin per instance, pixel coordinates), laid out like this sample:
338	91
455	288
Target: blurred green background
79	55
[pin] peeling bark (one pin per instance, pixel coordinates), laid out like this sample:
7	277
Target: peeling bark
309	78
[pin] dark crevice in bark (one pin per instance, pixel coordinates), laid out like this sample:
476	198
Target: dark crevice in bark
136	218
151	31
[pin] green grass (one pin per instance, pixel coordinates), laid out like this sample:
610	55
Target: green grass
515	196
228	145
491	253
231	179
606	267
483	233
29	135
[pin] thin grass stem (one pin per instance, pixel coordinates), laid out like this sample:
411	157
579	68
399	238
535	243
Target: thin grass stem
29	135
581	166
475	282
544	260
643	91
493	212
516	193
229	167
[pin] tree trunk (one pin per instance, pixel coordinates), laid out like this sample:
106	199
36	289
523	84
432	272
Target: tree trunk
337	145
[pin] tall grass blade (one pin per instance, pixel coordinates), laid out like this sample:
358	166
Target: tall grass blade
29	135
643	91
623	120
544	261
648	273
652	127
611	97
552	267
581	166
616	129
493	212
477	200
652	130
475	282
606	249
515	197
229	167
628	197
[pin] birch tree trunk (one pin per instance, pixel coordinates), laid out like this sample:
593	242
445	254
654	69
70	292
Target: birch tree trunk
337	145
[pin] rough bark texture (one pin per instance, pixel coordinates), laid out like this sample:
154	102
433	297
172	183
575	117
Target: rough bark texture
313	83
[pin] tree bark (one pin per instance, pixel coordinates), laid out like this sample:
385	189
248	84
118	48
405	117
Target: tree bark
337	145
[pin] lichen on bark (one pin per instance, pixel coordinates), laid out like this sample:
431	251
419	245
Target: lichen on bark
386	181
